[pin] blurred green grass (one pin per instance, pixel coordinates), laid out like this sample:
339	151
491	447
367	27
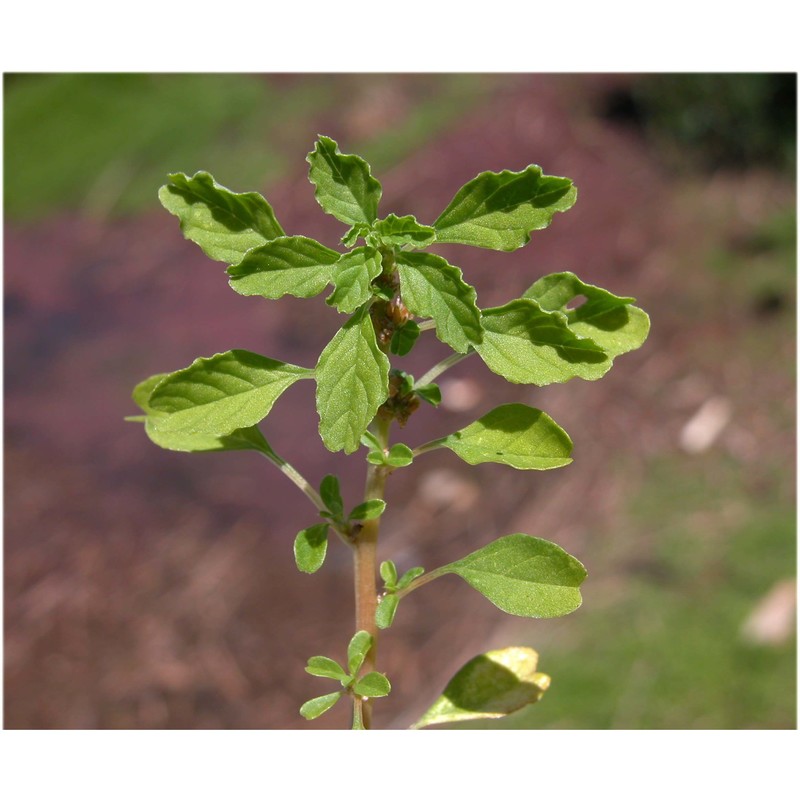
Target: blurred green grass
98	143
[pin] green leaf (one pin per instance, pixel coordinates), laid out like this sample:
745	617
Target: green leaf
224	224
430	393
344	186
357	231
404	338
373	684
498	210
386	610
399	231
388	572
610	321
431	287
331	495
292	265
352	382
352	275
240	439
310	547
370	509
317	706
525	344
489	686
324	667
523	575
409	577
357	651
399	455
514	434
219	394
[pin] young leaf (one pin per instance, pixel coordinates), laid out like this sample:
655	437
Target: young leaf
514	434
217	395
430	393
310	547
388	572
489	686
373	684
523	575
370	509
399	455
404	338
525	344
352	382
409	576
398	231
357	651
356	232
323	667
224	224
352	275
386	610
498	210
292	265
317	706
431	287
331	495
344	186
610	321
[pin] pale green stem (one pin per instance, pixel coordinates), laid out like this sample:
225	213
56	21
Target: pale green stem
422	580
445	364
427	325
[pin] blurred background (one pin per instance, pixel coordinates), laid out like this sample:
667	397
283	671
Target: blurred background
151	589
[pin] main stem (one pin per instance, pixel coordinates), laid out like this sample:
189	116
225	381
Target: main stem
365	549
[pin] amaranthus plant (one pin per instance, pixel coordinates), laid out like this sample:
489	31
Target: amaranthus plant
391	290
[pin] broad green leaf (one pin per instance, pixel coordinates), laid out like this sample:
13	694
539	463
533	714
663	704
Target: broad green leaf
404	338
224	224
324	667
370	509
525	344
514	434
398	231
611	322
317	706
357	651
344	186
331	495
409	576
217	395
498	210
489	686
352	275
292	265
373	684
240	439
352	382
430	393
310	547
431	287
386	610
523	575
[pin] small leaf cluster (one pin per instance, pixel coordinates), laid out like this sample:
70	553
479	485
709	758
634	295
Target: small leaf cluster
373	684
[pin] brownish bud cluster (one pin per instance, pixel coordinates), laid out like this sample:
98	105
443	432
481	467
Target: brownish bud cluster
401	403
